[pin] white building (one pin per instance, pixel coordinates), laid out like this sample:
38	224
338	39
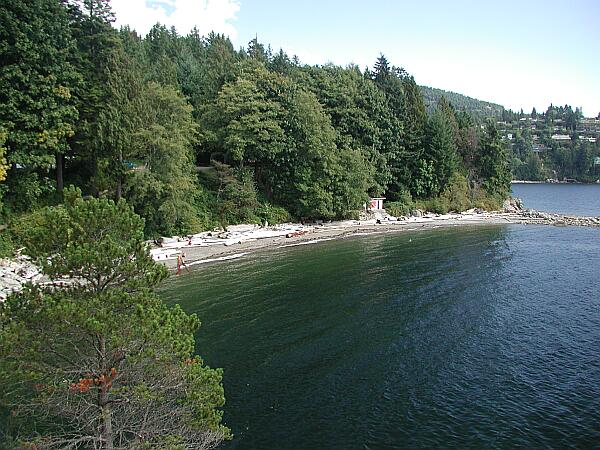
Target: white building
375	203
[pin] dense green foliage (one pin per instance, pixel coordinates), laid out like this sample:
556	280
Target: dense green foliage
37	108
120	115
101	363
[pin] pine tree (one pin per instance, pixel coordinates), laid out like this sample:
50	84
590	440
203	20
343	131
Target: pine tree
103	363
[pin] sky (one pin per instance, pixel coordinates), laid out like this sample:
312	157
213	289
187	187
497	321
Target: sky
520	54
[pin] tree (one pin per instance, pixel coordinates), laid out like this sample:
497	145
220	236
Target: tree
96	41
361	115
314	177
36	84
414	119
103	363
163	188
268	122
494	168
281	63
446	108
440	149
256	51
236	194
3	162
120	117
382	70
244	121
162	49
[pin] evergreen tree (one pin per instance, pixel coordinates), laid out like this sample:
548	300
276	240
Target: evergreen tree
414	119
281	63
120	117
163	190
446	108
382	70
36	84
103	363
162	51
440	150
97	42
257	51
494	170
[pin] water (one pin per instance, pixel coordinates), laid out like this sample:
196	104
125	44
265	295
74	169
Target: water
572	199
472	337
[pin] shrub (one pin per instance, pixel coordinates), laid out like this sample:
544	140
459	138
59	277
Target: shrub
267	212
401	207
6	244
436	205
456	194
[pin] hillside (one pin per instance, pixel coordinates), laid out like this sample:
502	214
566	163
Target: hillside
478	108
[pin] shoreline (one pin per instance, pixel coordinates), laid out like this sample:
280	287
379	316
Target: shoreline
554	182
19	270
199	255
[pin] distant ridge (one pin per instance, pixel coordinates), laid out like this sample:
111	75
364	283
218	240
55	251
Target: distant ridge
478	108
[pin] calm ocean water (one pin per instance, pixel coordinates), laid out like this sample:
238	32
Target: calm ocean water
472	337
574	199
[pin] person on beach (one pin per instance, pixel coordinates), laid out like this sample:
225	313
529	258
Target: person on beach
181	263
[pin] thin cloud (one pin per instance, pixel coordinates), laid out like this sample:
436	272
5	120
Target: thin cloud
206	15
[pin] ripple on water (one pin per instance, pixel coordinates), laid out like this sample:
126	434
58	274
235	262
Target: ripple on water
484	337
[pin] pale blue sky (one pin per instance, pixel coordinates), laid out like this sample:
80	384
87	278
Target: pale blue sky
517	53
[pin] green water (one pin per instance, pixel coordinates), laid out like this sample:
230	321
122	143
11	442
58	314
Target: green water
480	337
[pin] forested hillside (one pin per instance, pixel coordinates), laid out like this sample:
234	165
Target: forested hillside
556	144
479	109
139	117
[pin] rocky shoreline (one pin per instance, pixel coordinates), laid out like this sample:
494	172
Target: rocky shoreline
18	271
533	217
512	213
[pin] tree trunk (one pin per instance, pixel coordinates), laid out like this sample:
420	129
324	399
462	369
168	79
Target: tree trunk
94	181
106	430
119	190
59	172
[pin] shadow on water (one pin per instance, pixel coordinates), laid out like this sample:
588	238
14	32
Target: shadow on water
463	338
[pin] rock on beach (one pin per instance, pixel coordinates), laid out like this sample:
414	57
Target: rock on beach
15	273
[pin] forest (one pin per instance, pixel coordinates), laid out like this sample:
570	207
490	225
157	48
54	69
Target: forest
194	133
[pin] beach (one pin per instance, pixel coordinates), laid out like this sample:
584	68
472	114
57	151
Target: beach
196	255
